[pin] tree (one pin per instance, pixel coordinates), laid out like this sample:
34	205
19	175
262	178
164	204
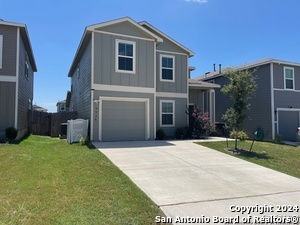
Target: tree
241	88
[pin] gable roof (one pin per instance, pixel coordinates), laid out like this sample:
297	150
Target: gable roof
25	37
246	66
190	53
89	29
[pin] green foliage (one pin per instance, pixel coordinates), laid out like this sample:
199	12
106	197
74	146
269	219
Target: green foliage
160	134
242	135
241	88
83	141
11	133
182	133
278	139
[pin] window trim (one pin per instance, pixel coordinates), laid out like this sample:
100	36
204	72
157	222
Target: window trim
26	69
161	67
161	113
1	50
133	56
285	79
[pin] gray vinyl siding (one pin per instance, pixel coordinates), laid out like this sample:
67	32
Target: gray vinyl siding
260	109
9	50
196	97
7	102
181	76
81	86
181	116
98	93
286	99
105	62
125	28
25	91
278	71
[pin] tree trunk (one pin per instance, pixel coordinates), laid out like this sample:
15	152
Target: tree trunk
236	137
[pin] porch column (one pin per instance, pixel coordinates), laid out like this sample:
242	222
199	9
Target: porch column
212	106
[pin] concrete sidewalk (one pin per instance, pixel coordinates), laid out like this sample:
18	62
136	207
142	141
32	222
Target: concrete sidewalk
192	182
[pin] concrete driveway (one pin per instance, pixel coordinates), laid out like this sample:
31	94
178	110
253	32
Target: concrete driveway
191	183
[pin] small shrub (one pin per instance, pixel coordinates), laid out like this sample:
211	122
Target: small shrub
11	133
278	139
83	141
242	135
182	133
160	134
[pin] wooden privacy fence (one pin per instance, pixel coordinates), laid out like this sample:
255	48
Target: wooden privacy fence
49	124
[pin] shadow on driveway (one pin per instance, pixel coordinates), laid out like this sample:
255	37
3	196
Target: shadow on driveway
132	144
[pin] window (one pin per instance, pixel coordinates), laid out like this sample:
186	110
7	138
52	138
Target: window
1	50
167	68
289	78
125	56
26	69
78	71
62	107
167	115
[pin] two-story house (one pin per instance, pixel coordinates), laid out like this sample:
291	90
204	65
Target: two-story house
130	79
17	66
276	106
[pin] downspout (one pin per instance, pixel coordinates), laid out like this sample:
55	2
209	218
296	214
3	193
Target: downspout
17	78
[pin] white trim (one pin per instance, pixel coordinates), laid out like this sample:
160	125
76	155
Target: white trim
133	71
160	112
272	100
17	78
125	19
191	53
289	90
123	35
171	95
172	53
293	79
8	78
155	94
212	107
187	89
147	112
1	50
173	68
119	88
92	92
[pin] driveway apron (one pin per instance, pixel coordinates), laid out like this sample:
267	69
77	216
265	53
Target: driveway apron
195	184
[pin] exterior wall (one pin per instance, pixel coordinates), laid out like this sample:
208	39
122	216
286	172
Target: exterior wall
117	94
196	97
181	75
25	92
105	62
279	76
81	86
9	50
7	102
181	117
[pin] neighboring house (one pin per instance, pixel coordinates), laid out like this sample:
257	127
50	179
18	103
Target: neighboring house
39	108
61	106
17	67
129	80
276	106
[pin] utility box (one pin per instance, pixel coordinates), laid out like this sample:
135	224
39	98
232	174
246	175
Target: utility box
76	130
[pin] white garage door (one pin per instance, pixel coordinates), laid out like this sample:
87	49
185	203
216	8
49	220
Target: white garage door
123	121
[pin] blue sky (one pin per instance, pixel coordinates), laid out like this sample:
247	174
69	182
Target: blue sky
227	32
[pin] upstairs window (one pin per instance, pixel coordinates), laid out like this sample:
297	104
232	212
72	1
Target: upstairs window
62	107
167	115
167	68
26	69
289	78
1	50
125	56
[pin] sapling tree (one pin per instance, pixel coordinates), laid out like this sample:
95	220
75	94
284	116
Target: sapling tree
241	88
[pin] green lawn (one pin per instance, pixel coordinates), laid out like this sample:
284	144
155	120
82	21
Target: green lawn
282	158
47	181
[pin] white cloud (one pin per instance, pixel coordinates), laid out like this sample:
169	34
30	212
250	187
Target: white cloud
197	1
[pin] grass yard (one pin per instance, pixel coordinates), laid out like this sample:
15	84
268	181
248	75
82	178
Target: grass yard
47	181
282	158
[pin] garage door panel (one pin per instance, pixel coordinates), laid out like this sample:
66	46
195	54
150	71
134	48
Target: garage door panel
288	123
123	121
